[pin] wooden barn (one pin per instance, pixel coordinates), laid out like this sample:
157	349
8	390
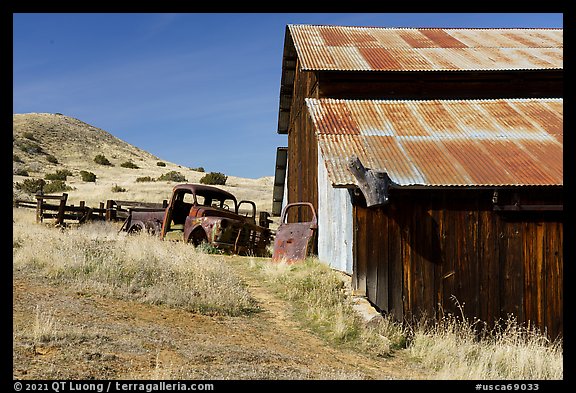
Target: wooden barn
434	158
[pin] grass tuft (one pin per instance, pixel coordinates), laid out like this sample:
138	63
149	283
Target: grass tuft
322	304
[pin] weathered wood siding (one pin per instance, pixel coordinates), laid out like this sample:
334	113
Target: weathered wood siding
302	181
442	84
427	250
335	223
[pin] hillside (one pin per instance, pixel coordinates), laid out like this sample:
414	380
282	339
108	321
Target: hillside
43	143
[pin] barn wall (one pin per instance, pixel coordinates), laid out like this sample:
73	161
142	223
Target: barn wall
442	84
425	251
335	234
302	148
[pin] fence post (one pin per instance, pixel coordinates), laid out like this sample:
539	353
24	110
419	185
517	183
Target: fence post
100	214
110	214
39	201
61	209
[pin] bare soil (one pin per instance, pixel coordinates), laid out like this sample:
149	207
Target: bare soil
98	337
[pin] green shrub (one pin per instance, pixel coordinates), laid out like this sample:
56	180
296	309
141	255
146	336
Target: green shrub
29	147
29	135
173	176
34	186
160	163
144	179
117	188
214	178
199	169
56	186
87	176
30	186
50	158
61	174
102	160
129	164
20	172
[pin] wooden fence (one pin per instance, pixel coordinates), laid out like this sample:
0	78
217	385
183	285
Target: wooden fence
55	207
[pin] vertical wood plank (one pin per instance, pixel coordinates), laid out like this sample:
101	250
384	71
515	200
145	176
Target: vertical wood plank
360	245
438	216
395	275
554	313
372	245
512	293
489	277
407	276
451	276
383	265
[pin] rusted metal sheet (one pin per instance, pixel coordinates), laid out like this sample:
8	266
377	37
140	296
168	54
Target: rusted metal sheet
294	241
408	49
443	142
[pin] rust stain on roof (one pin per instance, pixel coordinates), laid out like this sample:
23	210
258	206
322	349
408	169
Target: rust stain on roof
500	142
441	38
395	49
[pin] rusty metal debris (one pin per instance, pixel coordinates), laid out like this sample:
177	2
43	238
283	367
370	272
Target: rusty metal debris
295	241
198	213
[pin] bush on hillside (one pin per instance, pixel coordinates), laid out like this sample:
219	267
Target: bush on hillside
61	174
20	172
144	179
30	186
102	160
173	176
35	186
88	176
29	147
51	159
214	178
56	186
129	164
29	135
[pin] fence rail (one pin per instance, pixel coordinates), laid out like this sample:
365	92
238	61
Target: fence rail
112	210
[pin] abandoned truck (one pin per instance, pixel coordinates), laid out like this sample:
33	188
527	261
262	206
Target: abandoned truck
199	213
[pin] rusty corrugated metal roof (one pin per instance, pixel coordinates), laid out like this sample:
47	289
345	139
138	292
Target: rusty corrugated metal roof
349	48
500	142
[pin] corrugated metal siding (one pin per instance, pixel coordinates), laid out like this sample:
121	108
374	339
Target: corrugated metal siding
510	142
348	48
335	223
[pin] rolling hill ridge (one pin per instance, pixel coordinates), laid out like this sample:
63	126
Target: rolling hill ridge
43	143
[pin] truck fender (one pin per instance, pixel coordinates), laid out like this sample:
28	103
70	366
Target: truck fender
195	234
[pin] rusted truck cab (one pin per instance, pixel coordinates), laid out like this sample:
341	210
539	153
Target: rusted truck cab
200	213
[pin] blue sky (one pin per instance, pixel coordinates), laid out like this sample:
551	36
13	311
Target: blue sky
194	89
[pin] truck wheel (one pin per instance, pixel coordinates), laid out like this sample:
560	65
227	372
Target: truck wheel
198	237
136	228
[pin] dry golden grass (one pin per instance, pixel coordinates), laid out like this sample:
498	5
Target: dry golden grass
95	258
452	349
94	303
449	348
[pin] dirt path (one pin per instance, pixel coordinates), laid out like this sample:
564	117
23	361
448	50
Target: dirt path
103	338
